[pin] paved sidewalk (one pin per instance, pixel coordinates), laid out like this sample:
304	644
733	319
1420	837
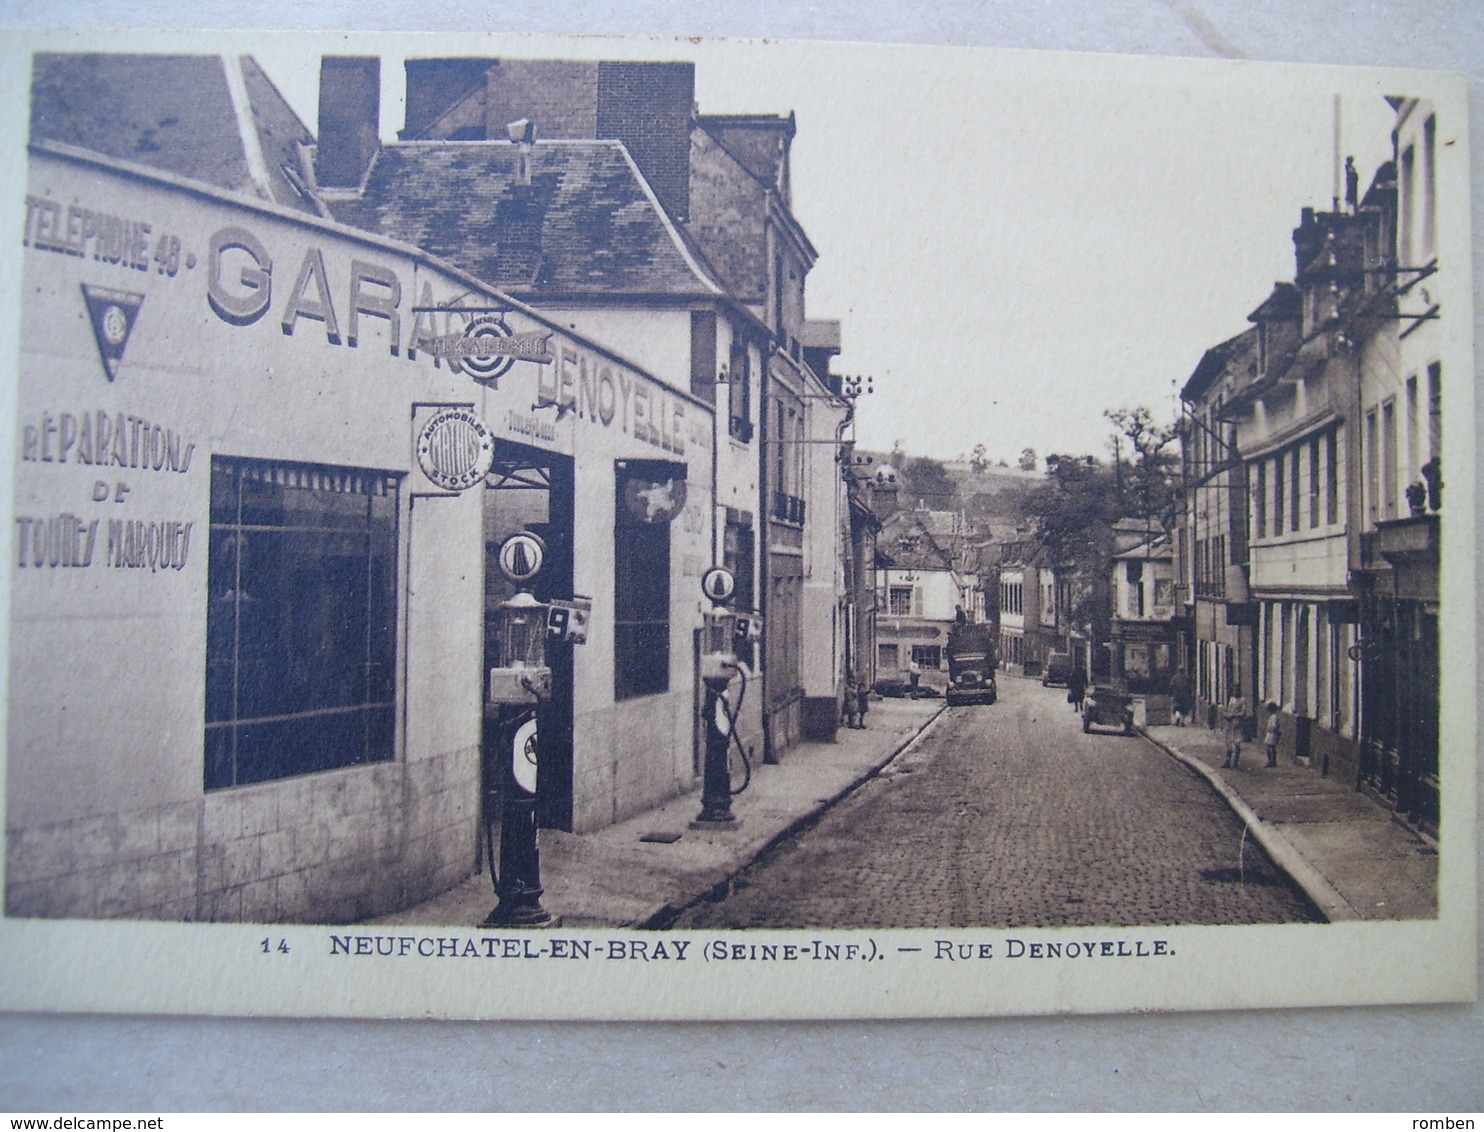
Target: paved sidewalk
1347	853
610	878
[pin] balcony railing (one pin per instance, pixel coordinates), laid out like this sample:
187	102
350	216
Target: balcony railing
788	508
1401	540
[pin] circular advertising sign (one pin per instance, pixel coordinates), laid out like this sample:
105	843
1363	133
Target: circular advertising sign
455	449
521	556
488	330
525	754
718	584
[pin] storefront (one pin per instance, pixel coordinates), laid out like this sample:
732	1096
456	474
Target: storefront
262	465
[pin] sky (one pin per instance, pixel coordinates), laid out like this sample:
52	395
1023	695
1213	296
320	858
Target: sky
1014	242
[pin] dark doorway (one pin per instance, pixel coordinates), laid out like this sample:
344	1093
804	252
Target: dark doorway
532	490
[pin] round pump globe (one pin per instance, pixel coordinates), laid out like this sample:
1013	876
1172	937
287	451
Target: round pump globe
523	632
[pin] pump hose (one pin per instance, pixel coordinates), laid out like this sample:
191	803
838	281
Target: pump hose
489	840
736	740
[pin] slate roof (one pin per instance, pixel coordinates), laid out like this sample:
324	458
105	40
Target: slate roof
906	543
750	140
1284	303
173	113
1217	360
600	230
1156	546
1145	536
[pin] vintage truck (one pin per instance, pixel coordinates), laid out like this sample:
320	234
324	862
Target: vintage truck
971	664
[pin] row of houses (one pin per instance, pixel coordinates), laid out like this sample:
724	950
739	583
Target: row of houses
264	474
1300	566
1112	617
1308	543
928	577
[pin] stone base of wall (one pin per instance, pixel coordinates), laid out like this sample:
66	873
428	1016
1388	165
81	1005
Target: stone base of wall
784	722
1208	715
328	848
1153	711
820	718
138	864
1333	756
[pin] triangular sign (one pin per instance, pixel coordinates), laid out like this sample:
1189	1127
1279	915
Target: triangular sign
112	314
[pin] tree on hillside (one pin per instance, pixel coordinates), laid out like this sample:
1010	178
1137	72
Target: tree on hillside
929	481
1004	505
1028	460
979	458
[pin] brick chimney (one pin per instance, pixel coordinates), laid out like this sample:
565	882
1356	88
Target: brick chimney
884	493
520	213
349	119
648	107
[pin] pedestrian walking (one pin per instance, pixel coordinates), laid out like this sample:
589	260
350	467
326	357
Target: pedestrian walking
914	676
1236	724
862	703
1077	688
1271	736
1183	696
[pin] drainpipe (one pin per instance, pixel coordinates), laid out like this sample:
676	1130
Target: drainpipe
765	563
1354	440
718	549
851	637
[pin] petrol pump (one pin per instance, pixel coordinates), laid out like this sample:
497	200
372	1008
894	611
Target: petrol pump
721	630
517	689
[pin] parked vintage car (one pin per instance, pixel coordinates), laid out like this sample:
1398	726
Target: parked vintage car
1108	707
1058	670
901	690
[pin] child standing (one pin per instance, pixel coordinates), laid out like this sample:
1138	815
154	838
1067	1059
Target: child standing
1270	737
851	705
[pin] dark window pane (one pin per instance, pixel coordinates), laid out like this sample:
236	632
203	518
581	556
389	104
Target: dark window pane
300	620
643	658
641	600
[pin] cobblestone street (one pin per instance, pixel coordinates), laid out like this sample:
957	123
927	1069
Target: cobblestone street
1010	816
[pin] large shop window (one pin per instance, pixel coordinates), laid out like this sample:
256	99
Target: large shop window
301	623
928	656
650	494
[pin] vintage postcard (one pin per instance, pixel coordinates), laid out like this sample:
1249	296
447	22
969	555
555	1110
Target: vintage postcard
513	527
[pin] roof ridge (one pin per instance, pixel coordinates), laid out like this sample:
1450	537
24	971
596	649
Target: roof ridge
683	244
